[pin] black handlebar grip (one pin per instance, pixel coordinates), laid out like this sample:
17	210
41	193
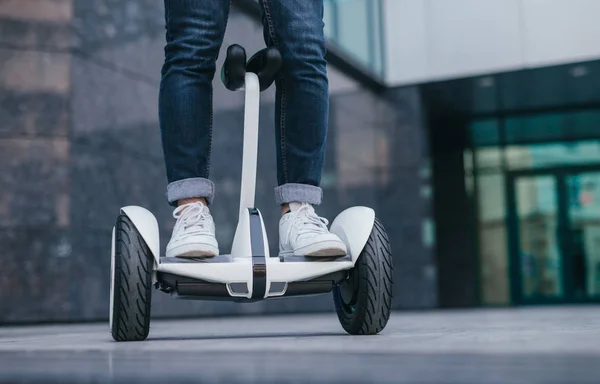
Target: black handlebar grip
265	63
233	73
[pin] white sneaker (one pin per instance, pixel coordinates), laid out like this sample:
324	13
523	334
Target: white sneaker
303	233
194	232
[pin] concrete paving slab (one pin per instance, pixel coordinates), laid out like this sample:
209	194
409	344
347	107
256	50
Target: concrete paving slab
524	345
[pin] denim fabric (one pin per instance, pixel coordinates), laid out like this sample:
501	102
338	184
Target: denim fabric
195	30
303	193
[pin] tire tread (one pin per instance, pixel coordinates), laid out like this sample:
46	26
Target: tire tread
375	279
132	285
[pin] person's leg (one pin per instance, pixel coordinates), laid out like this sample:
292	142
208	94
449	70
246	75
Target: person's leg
194	34
296	28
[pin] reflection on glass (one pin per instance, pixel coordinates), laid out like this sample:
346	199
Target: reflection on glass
552	154
468	165
493	248
542	127
549	142
584	214
355	26
488	159
537	210
553	126
485	132
329	19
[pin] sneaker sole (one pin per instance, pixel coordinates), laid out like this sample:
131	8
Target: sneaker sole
323	249
327	252
196	254
193	251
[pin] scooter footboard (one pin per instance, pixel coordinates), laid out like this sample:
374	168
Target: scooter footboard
220	277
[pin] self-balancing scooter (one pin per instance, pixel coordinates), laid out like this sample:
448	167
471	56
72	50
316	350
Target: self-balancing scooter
361	281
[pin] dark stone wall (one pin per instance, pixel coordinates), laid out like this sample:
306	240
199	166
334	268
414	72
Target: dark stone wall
79	138
35	99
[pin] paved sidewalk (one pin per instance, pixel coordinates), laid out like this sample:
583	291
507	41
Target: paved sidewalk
529	345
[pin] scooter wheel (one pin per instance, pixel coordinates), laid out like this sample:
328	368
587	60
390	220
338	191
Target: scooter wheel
131	282
363	301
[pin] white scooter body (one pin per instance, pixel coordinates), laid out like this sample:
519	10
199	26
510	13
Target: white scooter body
249	272
361	282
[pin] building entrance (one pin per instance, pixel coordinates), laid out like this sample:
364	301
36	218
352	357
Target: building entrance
554	234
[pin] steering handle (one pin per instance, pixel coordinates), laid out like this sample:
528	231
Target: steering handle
233	72
265	64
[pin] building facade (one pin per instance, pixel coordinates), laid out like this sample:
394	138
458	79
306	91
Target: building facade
512	97
79	138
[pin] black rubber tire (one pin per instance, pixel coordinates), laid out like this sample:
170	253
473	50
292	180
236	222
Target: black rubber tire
363	302
132	294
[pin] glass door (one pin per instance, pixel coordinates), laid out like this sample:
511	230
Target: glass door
583	217
537	257
554	235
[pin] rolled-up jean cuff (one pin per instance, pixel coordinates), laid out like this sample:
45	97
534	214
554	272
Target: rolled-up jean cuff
301	193
189	189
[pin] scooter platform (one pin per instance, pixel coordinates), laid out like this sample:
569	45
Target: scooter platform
186	287
225	277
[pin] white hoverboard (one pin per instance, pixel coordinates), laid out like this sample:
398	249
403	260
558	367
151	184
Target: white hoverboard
361	281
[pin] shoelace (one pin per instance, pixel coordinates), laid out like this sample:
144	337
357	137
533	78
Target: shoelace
310	221
194	218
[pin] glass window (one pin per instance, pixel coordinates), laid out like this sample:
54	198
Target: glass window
485	132
553	154
493	248
584	216
543	127
536	209
355	27
539	251
489	159
469	176
329	20
534	128
557	261
553	126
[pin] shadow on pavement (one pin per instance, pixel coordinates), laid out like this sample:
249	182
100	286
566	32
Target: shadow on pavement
296	335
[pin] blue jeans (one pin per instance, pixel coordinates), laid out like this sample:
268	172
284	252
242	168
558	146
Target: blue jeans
195	30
